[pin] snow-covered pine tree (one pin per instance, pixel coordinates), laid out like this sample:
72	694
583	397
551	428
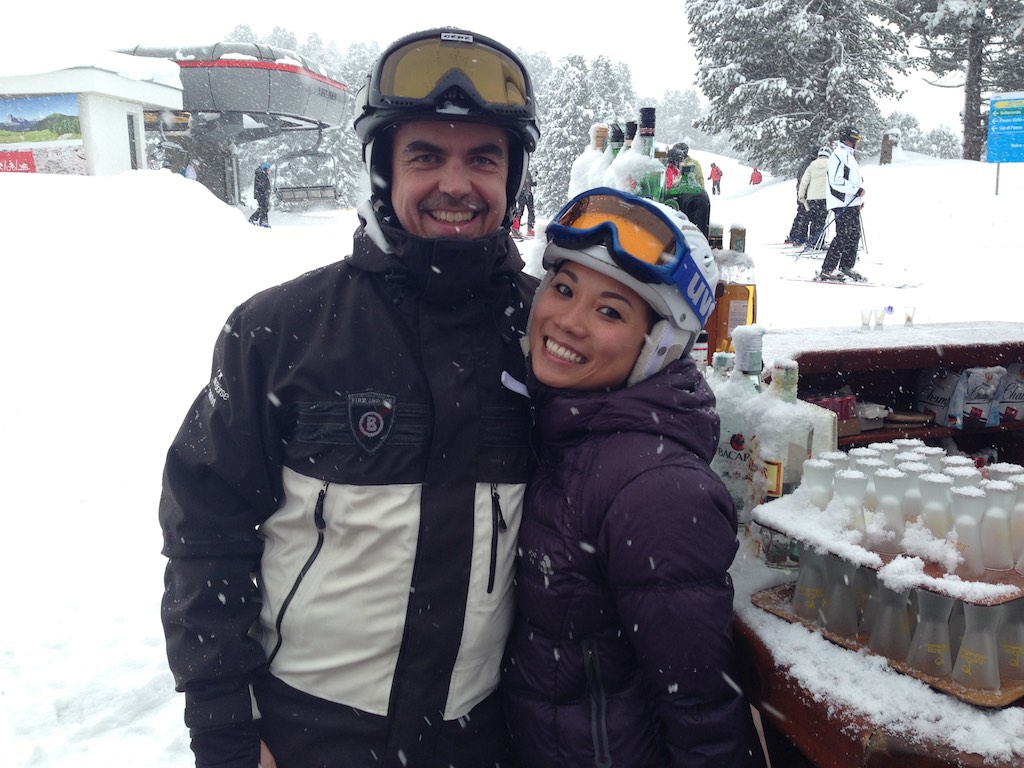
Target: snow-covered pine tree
783	75
940	142
983	39
565	119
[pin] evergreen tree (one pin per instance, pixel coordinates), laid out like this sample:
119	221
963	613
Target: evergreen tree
983	39
538	65
940	142
784	75
565	117
242	33
677	112
280	37
909	128
604	99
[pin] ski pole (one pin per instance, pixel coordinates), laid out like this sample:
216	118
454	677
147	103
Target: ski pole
836	214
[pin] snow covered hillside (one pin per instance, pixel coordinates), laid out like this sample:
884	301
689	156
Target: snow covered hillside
112	293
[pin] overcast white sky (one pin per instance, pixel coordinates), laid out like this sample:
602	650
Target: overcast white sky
640	34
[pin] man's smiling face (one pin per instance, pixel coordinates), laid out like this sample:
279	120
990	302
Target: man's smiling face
448	178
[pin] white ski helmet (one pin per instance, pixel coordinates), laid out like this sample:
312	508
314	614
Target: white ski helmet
653	249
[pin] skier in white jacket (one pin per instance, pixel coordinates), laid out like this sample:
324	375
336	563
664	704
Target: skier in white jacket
845	198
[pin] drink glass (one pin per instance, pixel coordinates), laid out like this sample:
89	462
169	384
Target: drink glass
1011	641
890	635
977	661
865	319
929	646
809	595
908	316
839	613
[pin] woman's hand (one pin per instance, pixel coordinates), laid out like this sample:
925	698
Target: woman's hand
266	759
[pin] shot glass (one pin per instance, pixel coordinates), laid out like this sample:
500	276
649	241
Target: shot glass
908	315
880	317
865	319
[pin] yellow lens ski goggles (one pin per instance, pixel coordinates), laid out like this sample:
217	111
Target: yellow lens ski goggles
421	71
638	235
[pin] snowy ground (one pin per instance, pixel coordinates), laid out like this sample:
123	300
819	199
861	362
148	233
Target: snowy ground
113	291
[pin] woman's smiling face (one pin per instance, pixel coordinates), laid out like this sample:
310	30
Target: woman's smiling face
587	330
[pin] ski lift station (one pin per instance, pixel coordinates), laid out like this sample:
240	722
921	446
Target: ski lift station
204	101
82	115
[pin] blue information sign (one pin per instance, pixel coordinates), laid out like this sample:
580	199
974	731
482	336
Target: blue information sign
1006	128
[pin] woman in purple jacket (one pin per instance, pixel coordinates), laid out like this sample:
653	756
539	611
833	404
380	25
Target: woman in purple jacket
622	651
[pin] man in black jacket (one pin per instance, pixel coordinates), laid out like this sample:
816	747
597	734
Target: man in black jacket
261	191
340	506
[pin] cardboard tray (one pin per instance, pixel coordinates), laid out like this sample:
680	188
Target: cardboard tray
776	600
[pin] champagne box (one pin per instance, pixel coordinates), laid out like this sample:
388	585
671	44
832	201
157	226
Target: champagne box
1010	397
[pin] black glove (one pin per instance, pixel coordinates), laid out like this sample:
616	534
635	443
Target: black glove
230	746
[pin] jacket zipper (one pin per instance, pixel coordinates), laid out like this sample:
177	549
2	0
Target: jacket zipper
321	526
498	526
598	707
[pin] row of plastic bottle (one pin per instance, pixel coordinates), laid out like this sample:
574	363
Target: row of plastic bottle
977	646
905	481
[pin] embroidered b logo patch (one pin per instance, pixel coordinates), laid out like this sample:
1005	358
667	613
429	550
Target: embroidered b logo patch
371	416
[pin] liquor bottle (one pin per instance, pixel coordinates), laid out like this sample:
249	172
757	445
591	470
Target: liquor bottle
618	174
735	300
792	447
616	138
734	397
645	131
722	366
650	177
579	173
603	163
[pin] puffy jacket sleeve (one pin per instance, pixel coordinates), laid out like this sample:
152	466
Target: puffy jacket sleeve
670	536
220	481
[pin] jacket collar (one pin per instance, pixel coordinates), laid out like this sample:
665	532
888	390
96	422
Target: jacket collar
447	272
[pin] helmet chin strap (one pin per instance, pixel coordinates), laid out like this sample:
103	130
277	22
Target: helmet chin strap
664	344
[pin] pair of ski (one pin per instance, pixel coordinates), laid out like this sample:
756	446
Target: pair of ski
864	283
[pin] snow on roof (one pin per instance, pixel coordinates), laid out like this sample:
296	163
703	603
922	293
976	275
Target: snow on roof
24	61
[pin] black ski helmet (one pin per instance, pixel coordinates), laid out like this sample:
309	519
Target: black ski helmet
446	74
849	133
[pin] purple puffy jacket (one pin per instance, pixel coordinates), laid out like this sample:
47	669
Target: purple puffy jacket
622	650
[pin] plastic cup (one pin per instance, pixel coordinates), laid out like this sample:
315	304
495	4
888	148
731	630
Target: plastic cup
865	318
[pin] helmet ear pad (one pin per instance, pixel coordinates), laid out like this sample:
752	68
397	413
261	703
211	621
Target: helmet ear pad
663	344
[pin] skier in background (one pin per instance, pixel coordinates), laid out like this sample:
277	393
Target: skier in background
716	180
845	199
798	229
525	201
755	176
811	197
261	191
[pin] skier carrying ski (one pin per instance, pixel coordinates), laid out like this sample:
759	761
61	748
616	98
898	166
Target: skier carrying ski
845	199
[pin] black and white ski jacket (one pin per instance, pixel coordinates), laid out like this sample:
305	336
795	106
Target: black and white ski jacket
844	179
341	504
